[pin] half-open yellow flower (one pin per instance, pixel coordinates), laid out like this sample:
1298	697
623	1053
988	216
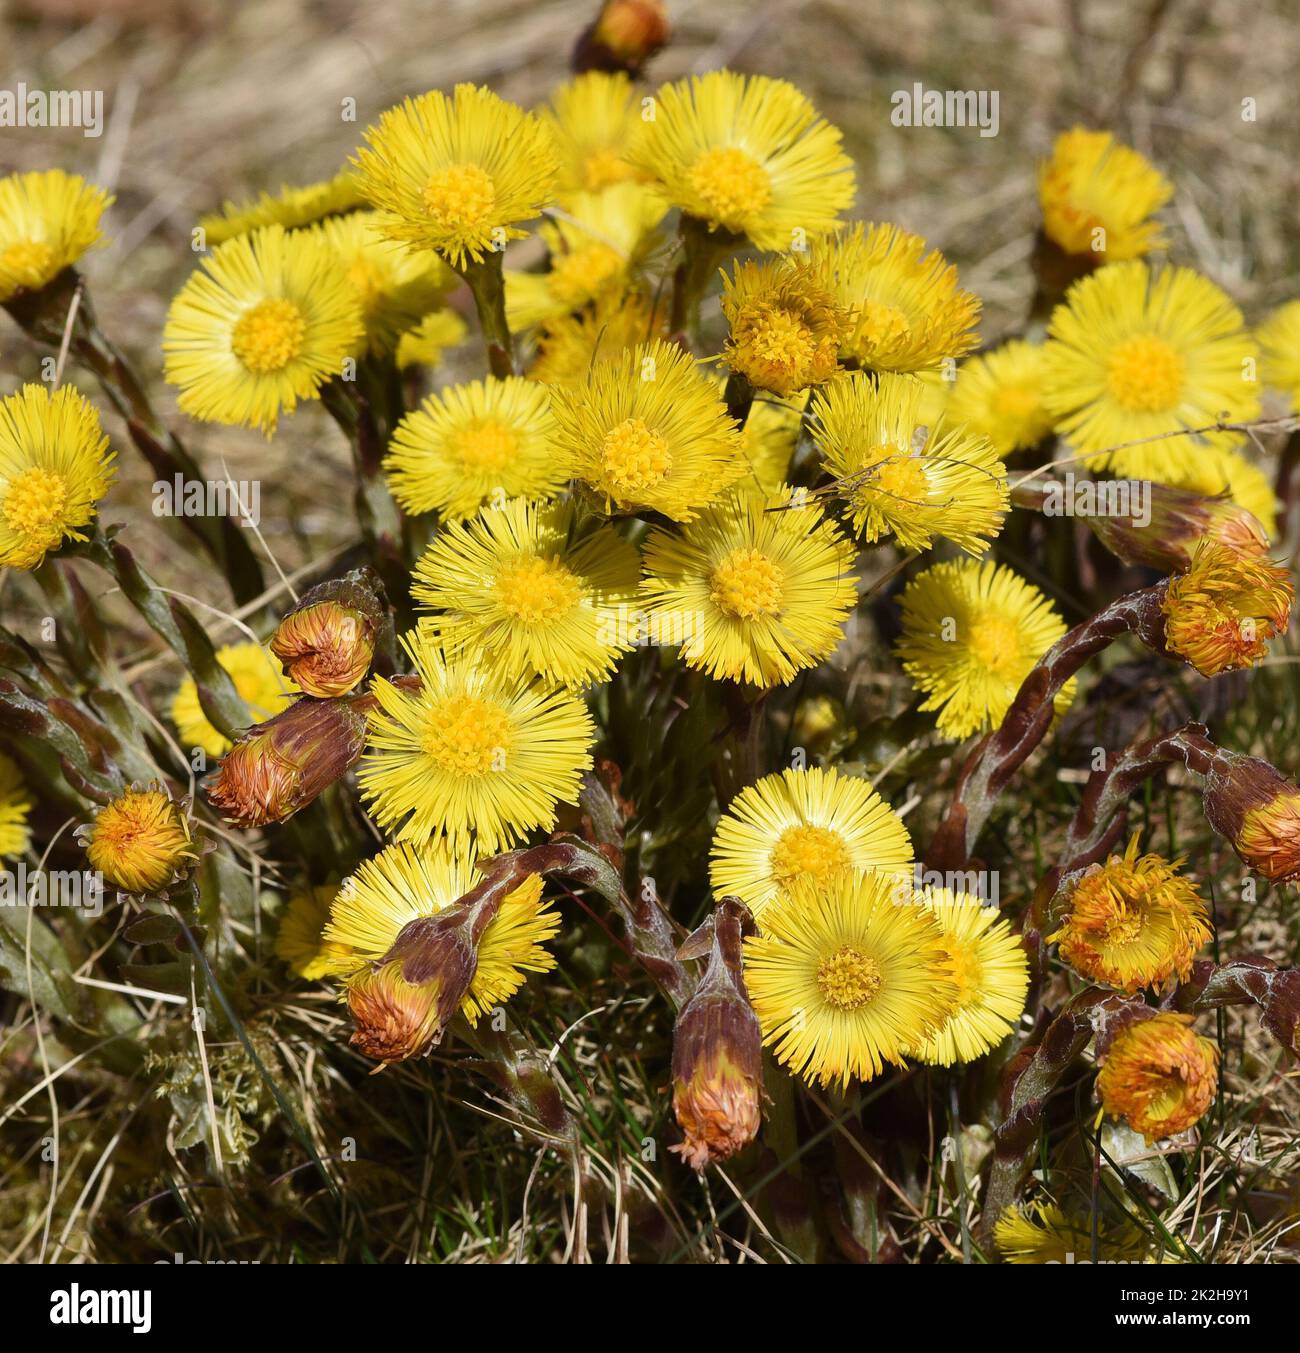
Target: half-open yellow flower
48	219
1159	1075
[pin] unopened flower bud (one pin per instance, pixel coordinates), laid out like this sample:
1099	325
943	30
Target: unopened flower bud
1177	523
327	641
625	35
277	767
718	1048
1222	611
141	841
1255	807
1159	1075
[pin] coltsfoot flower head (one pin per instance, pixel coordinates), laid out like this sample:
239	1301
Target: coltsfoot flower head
258	682
1135	355
718	1049
568	346
1098	197
909	314
757	587
277	767
649	430
533	589
472	443
472	752
1159	1076
746	154
1255	807
999	395
457	174
785	327
55	466
1131	923
327	641
299	942
1222	612
845	980
267	320
901	477
1042	1233
1279	343
972	632
625	35
291	208
141	841
991	969
1242	490
592	118
15	804
48	219
804	826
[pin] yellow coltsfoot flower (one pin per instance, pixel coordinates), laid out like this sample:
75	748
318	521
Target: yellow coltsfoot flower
1042	1233
756	589
425	344
1131	923
1159	1076
55	466
1098	197
299	941
141	841
901	477
972	632
1216	473
48	220
909	314
534	590
15	804
804	826
1279	344
999	395
746	154
267	320
844	980
592	119
648	430
569	345
459	174
484	441
258	681
291	208
471	753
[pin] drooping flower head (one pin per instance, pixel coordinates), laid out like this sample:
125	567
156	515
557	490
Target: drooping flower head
746	154
1228	476
971	634
909	314
291	208
48	219
1136	355
901	477
1159	1076
459	174
15	804
1221	613
845	980
1279	343
756	589
141	841
473	443
804	826
260	685
649	430
991	969
55	466
1257	808
534	590
999	395
327	641
267	320
592	119
1132	923
1098	197
471	752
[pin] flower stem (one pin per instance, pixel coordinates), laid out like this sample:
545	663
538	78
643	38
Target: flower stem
487	286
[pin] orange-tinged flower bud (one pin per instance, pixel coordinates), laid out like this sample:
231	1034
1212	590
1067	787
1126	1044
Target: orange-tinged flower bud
277	767
141	841
395	1019
625	35
327	641
1257	808
717	1048
1159	1075
1221	613
1178	522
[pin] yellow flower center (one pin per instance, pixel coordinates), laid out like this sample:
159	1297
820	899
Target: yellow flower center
537	591
882	326
460	197
634	458
1146	374
578	275
778	337
747	584
269	336
902	477
30	260
604	167
486	444
815	853
848	978
467	735
965	971
1015	402
35	503
1123	927
731	183
367	281
994	643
